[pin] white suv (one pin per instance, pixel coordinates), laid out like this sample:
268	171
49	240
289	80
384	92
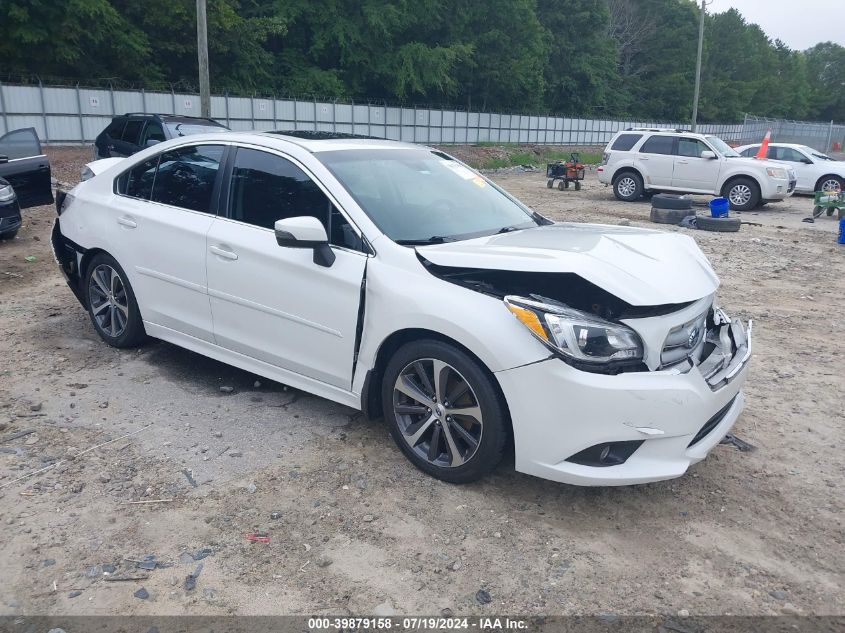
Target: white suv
637	161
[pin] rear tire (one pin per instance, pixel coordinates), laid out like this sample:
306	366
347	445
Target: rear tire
577	185
743	194
628	186
550	183
111	303
10	235
419	381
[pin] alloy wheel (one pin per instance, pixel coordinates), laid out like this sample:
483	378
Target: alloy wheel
831	185
626	186
739	195
108	300
437	412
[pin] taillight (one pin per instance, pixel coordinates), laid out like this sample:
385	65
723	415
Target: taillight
604	158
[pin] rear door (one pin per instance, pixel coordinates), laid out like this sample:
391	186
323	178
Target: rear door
693	173
656	161
25	167
161	215
128	143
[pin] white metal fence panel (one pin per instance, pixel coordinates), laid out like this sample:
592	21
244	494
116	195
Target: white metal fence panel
63	114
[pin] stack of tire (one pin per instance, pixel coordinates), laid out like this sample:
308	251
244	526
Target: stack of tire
671	209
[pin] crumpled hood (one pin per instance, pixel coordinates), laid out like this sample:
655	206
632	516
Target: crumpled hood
640	266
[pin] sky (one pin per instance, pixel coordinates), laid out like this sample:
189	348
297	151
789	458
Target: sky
800	24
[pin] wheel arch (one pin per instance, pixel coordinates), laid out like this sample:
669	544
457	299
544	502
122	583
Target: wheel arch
371	393
627	168
733	178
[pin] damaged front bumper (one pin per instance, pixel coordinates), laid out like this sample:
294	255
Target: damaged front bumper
591	429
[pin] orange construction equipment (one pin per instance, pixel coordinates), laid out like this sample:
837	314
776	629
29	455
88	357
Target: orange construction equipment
764	146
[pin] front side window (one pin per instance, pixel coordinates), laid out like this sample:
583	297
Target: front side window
787	154
750	152
659	145
419	195
21	143
152	132
185	177
266	188
691	147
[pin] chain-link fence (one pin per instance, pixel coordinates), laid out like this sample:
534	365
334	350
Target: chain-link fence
74	115
825	137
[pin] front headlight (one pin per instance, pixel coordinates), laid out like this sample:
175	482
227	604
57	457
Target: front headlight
7	194
776	172
580	337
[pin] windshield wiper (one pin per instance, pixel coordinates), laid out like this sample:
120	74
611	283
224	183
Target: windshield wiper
434	239
507	229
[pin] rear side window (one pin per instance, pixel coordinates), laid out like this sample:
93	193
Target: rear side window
625	142
186	177
138	181
132	131
115	130
659	145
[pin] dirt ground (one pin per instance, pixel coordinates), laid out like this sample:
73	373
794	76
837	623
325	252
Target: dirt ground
353	528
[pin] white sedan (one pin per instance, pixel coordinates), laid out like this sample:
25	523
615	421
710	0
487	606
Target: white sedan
816	171
392	278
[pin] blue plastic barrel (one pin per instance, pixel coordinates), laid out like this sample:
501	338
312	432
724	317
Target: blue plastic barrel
719	207
841	239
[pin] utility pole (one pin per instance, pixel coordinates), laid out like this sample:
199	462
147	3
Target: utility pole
698	68
202	54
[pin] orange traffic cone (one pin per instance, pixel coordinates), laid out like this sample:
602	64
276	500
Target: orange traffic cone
764	146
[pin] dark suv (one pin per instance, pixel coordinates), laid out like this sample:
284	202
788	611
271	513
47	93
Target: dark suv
130	133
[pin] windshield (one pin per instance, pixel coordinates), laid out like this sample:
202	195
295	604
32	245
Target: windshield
186	129
723	148
420	196
815	153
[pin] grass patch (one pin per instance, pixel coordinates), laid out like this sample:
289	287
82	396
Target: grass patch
537	160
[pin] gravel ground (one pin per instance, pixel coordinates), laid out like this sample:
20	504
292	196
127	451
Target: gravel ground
352	526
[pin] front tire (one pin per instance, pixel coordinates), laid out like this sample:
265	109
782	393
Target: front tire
10	235
111	303
628	186
743	194
444	411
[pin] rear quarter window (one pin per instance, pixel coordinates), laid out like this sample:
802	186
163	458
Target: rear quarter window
625	142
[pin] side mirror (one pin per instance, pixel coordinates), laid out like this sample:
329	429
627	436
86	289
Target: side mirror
151	142
708	154
4	159
305	232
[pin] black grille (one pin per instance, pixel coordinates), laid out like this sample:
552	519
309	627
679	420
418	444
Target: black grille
711	424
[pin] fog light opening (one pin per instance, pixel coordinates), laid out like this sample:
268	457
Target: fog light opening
606	454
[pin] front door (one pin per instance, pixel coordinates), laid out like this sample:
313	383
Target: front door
160	219
25	167
274	303
693	173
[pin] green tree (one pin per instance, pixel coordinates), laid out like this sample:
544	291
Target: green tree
581	70
826	74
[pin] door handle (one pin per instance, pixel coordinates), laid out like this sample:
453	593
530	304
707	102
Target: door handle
129	223
222	252
683	162
643	157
